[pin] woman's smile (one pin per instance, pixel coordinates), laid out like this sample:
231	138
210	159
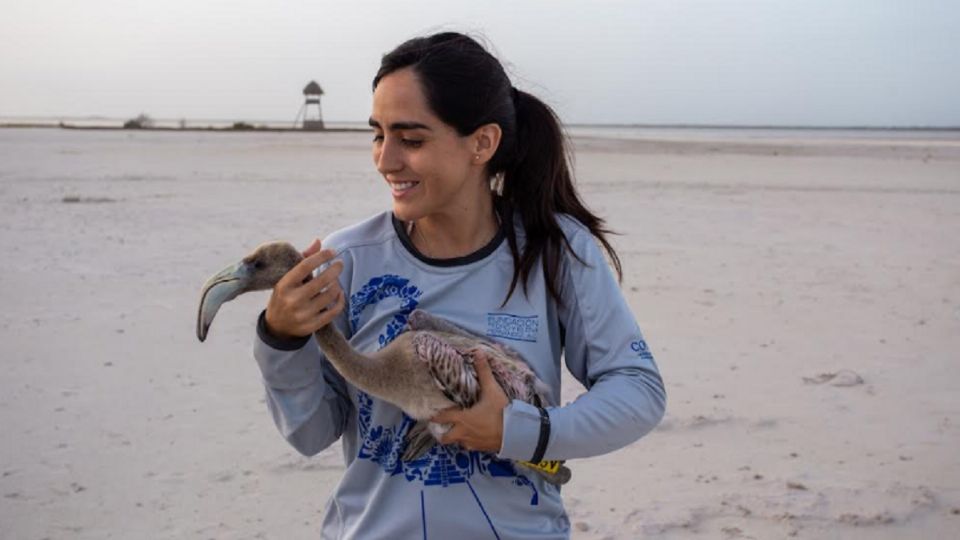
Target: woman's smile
402	189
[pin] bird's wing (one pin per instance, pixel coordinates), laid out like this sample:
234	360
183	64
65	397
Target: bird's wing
452	371
509	367
421	320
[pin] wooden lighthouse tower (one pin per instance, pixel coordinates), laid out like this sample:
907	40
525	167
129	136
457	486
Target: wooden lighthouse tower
308	121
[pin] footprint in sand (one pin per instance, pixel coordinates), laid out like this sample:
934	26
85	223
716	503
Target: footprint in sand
842	378
858	520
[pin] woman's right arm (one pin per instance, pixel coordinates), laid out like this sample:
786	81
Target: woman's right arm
306	396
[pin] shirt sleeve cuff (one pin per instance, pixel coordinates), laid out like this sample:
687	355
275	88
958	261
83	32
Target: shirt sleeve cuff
280	344
286	369
521	431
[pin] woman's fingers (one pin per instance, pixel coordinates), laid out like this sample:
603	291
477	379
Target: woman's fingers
328	314
302	296
448	416
313	321
326	300
319	310
324	280
300	305
304	269
480	427
453	436
312	248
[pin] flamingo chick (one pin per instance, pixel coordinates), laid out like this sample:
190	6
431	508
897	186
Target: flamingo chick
424	370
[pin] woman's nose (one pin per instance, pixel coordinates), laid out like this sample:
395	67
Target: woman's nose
388	157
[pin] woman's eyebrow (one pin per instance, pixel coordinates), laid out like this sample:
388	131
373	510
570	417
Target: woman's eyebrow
397	126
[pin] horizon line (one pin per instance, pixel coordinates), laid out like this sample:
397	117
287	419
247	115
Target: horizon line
692	125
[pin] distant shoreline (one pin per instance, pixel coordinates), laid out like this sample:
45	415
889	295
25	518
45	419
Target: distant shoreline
206	129
764	127
263	127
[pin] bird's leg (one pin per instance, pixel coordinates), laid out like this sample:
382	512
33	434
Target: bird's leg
419	441
554	472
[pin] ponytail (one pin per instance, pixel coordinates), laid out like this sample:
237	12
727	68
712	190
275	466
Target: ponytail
538	186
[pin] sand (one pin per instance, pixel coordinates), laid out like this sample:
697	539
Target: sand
801	296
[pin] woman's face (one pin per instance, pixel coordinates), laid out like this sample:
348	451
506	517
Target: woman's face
431	170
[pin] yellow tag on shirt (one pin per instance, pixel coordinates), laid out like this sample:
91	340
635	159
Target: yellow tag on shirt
547	466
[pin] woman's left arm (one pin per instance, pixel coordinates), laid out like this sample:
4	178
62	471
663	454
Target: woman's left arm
605	350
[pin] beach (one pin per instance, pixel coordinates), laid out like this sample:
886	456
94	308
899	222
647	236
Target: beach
800	293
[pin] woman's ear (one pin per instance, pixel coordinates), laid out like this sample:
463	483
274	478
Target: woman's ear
486	140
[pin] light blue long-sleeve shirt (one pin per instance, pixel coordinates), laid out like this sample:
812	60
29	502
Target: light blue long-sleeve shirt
450	491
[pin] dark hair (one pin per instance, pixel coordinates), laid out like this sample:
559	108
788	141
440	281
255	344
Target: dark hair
466	87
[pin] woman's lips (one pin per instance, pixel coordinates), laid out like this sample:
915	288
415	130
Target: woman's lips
401	189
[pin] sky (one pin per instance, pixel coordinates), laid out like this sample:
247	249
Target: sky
712	62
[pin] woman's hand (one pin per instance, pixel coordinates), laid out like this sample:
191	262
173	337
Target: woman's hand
301	304
480	427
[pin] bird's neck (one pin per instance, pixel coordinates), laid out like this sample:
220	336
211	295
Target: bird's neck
368	373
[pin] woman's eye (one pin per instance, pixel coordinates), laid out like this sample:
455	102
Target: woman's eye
412	143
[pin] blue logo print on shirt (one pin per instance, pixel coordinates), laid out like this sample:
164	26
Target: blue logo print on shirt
378	288
515	327
640	347
383	445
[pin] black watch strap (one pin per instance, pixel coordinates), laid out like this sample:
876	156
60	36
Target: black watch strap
544	436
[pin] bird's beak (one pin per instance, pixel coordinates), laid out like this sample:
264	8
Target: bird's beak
226	285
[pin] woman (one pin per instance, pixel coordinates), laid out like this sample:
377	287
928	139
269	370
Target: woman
487	231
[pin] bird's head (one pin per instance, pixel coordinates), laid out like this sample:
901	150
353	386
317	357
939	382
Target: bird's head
258	271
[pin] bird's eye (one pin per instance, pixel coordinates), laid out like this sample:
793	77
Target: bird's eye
258	264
